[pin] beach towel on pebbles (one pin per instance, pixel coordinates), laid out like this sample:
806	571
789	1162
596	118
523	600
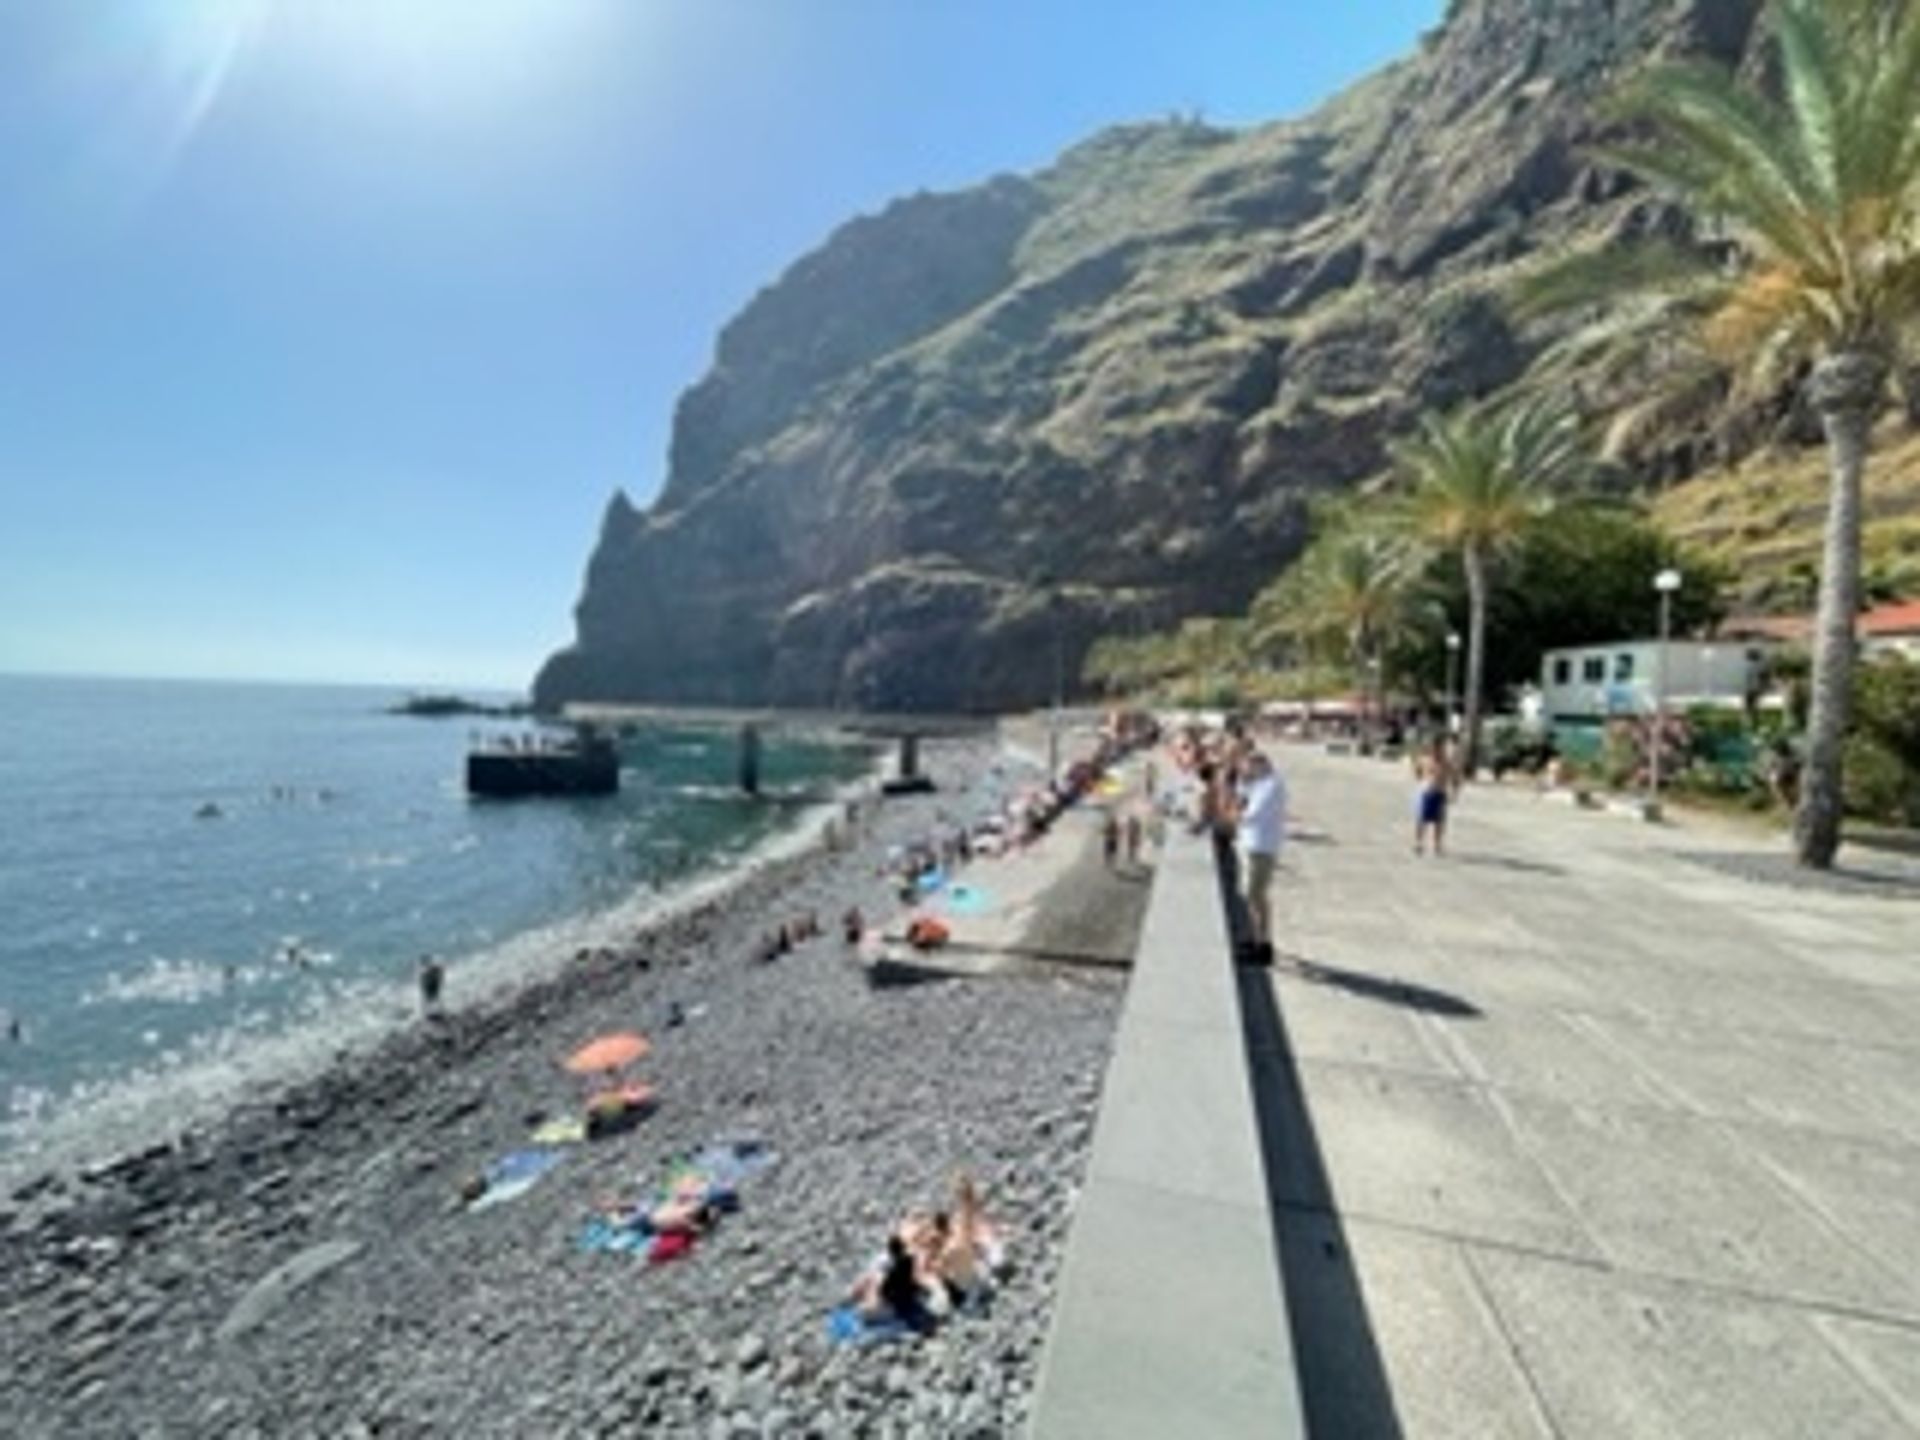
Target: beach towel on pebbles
709	1176
847	1326
512	1175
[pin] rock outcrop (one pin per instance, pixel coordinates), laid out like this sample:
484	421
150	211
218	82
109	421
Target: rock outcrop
966	435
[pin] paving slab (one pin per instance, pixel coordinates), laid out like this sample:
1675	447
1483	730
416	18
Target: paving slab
1616	1357
1869	1192
1551	1055
1886	1357
1340	1016
1450	1369
1433	1154
1670	1194
1778	1079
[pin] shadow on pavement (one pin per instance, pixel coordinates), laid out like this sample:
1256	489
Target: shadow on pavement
1505	862
1343	1384
1377	987
1889	875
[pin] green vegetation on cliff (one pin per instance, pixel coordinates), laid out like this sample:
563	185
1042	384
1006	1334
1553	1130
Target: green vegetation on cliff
1103	398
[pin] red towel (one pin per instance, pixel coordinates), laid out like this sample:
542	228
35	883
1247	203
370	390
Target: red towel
669	1247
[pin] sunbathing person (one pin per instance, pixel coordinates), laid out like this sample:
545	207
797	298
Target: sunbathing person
891	1289
688	1213
974	1249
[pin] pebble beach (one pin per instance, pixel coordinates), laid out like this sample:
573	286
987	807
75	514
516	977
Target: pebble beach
306	1266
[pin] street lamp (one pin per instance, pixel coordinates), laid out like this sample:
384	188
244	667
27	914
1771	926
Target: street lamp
1453	676
1059	686
1379	704
1666	582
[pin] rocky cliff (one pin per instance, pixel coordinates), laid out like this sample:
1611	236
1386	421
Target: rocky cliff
976	430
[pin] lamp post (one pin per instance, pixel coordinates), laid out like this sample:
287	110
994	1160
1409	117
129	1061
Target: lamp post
1453	676
1379	698
1059	687
1666	582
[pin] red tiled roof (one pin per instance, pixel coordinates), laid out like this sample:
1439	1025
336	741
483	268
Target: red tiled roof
1901	619
1766	627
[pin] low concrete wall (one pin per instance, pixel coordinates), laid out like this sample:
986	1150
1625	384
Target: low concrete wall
1171	1317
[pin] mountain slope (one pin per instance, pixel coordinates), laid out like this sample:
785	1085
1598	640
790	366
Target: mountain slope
979	425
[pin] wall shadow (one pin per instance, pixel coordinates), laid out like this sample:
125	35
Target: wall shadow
1343	1382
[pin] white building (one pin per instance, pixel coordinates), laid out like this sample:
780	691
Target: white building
1892	630
1591	682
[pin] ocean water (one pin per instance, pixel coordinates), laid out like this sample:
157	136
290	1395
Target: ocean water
156	959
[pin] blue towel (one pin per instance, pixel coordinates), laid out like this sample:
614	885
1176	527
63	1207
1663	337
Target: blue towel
966	900
521	1165
847	1326
601	1235
513	1174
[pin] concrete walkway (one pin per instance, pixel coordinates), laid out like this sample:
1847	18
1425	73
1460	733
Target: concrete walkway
1574	1134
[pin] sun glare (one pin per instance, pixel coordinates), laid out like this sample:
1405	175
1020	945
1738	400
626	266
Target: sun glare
484	51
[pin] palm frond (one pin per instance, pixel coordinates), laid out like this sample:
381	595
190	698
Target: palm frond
1601	275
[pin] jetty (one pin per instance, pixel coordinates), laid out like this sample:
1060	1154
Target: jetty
585	763
907	731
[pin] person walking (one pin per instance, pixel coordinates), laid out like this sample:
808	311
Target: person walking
1261	815
432	977
1435	783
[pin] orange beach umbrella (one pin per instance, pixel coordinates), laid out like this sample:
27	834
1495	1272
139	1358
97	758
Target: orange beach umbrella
609	1052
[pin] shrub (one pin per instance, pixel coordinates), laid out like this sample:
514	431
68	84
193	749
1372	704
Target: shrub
1879	784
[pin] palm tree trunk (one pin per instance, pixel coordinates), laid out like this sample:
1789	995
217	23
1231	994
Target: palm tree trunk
1475	564
1847	388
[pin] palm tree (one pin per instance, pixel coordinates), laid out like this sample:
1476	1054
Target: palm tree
1355	590
1343	597
1817	194
1478	478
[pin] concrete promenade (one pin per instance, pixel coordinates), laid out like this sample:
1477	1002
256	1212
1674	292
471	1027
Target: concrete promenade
1574	1134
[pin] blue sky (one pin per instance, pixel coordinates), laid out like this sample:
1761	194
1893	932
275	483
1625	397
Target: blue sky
328	326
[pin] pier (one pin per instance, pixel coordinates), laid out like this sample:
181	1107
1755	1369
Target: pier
905	731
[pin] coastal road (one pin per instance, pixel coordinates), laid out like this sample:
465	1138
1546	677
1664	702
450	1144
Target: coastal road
1579	1132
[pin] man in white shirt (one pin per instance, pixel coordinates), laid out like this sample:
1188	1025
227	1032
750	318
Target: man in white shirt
1262	816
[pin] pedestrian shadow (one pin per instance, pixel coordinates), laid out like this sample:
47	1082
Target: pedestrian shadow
1505	862
1343	1381
1383	988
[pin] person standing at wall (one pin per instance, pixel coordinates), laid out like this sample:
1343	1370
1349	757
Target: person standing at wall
1261	815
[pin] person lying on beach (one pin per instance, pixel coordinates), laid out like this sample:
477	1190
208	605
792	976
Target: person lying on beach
688	1214
891	1289
853	925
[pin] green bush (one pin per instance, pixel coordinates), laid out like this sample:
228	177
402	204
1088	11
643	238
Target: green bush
1882	777
1879	784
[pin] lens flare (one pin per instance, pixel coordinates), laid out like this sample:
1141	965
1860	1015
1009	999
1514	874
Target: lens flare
129	89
